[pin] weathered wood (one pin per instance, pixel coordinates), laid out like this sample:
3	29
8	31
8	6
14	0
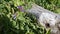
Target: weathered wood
46	18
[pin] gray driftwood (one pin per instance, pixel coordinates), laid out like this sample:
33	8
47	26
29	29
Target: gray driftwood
46	18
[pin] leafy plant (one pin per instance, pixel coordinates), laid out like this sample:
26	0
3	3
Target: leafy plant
13	21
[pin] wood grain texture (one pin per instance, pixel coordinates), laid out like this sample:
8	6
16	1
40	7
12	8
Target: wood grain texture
46	18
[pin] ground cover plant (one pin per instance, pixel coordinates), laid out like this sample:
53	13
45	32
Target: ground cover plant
14	21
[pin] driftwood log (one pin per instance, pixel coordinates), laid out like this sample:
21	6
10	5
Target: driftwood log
46	18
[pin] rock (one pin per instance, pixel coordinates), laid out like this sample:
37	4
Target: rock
46	18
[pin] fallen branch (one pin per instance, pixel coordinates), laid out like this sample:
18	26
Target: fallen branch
46	18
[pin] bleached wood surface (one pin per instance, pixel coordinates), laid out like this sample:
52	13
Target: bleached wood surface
46	18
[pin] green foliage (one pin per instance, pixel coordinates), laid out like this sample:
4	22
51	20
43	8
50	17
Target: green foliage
52	5
13	21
